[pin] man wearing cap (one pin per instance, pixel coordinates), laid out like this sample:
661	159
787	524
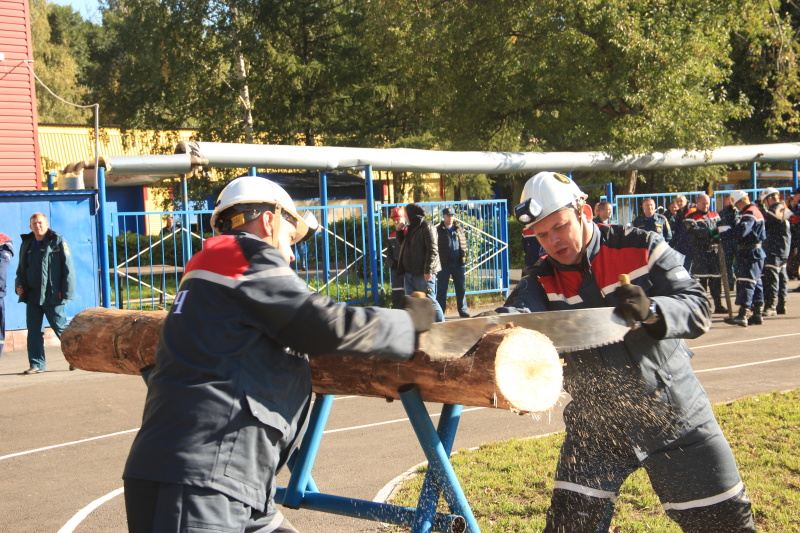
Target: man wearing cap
749	233
396	235
704	229
230	393
776	246
453	255
635	403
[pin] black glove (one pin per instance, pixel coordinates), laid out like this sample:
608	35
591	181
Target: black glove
486	313
421	311
633	303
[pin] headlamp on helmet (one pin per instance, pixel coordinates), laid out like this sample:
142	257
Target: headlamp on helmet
527	211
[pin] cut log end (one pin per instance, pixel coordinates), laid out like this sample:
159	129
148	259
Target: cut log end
528	372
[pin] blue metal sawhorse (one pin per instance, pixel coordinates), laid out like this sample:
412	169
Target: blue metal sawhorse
302	493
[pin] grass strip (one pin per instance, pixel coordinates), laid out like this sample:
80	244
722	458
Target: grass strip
508	483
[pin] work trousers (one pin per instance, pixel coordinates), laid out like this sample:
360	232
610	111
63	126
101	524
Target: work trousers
153	507
749	289
459	283
2	324
775	279
417	283
695	478
34	319
398	289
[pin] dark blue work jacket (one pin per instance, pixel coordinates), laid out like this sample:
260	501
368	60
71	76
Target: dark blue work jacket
644	385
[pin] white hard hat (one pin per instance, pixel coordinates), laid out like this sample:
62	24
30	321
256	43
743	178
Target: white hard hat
769	191
249	191
544	194
737	195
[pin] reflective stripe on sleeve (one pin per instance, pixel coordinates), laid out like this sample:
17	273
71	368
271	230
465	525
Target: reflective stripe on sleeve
705	502
586	491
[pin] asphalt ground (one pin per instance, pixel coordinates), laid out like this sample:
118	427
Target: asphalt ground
64	436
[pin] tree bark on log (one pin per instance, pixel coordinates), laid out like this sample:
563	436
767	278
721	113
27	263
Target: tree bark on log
512	368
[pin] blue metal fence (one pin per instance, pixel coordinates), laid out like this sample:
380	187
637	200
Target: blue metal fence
146	269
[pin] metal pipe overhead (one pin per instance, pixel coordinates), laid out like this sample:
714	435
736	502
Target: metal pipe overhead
229	155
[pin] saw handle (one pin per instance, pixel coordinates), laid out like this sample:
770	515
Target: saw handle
625	279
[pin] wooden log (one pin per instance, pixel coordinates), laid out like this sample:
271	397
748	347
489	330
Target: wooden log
511	368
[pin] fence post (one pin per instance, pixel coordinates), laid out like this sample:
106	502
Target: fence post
373	257
754	176
326	255
103	240
795	183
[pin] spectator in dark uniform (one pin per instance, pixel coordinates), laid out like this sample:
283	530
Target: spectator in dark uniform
649	220
776	246
703	227
452	242
681	240
749	233
729	216
602	212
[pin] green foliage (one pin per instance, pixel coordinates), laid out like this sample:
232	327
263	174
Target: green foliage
627	77
60	51
508	483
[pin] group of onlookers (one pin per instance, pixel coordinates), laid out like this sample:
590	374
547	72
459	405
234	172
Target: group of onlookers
747	245
423	258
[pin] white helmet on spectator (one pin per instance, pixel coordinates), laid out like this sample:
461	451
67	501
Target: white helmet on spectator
769	191
247	196
546	193
736	196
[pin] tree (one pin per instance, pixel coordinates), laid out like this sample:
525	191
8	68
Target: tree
60	52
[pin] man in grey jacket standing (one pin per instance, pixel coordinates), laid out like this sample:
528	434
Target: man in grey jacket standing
230	393
452	244
419	257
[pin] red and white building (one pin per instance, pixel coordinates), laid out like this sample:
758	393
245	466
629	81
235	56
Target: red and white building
20	166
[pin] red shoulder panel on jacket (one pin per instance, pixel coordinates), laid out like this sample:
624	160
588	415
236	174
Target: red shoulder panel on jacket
221	255
611	262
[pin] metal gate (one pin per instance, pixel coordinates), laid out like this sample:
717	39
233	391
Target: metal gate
147	258
485	224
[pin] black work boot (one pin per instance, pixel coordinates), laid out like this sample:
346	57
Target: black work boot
756	319
769	309
781	307
741	318
719	309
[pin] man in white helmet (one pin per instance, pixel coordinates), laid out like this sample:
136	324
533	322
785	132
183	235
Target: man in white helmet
749	233
636	403
230	393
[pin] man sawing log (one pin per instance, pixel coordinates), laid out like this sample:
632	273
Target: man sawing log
511	368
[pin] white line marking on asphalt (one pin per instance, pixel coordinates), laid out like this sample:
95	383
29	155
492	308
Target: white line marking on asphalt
390	422
745	340
747	364
79	517
68	444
